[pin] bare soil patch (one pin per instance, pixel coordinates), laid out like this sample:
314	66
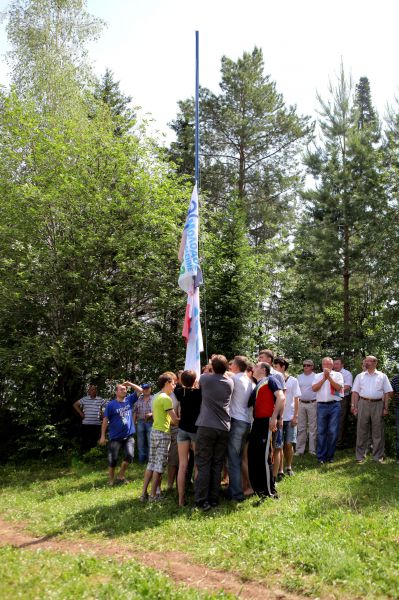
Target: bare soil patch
176	565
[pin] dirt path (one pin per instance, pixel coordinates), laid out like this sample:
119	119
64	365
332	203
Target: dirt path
176	565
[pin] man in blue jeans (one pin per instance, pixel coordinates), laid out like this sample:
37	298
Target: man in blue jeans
142	415
395	387
329	388
239	426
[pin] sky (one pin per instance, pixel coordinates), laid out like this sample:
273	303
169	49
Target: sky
150	47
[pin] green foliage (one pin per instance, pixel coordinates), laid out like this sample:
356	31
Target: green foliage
94	219
48	56
89	219
234	283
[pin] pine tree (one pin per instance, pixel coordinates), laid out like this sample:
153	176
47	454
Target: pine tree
108	92
341	233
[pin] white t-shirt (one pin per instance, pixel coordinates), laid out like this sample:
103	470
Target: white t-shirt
327	393
243	387
278	376
373	385
305	383
292	391
348	379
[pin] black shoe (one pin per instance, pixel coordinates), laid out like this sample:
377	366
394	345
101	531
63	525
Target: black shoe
261	499
214	503
280	476
206	506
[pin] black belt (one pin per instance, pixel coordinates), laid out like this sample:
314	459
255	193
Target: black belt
307	401
371	399
329	402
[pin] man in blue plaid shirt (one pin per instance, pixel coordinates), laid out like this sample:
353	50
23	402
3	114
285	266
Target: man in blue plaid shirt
142	415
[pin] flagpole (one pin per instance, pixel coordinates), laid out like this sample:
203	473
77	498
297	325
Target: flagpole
197	108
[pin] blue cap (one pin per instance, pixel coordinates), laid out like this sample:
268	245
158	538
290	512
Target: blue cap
145	386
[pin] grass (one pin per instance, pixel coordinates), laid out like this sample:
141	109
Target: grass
334	532
36	575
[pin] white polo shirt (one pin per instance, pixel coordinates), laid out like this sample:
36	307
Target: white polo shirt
327	393
372	385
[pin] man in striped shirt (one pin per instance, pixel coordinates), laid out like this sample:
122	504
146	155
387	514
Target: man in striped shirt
89	408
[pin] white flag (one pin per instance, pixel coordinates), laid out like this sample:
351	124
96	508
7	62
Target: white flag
190	278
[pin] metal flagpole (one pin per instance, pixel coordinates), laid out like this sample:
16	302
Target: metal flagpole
196	162
197	108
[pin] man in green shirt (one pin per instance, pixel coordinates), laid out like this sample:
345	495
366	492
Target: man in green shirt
163	415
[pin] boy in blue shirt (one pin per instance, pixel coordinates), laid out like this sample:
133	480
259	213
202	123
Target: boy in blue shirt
118	418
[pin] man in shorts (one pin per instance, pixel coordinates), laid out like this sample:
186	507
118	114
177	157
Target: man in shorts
163	415
118	418
290	420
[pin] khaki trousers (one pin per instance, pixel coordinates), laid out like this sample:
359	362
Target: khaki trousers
370	414
307	419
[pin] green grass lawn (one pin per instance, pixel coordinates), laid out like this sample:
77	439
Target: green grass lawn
334	532
42	574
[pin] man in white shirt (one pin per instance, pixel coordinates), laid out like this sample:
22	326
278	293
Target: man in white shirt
307	413
290	420
370	395
338	366
239	425
329	388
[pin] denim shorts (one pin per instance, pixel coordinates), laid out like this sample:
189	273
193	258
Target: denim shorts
114	447
286	435
186	436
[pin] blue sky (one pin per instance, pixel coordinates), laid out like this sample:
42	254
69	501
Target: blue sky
149	45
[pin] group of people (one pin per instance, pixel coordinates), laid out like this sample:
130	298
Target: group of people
240	420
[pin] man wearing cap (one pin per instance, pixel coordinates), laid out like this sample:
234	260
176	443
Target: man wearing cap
370	395
329	388
142	416
307	413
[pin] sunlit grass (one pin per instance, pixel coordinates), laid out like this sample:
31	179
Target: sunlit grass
333	531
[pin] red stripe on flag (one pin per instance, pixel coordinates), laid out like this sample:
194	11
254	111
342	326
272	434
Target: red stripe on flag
187	322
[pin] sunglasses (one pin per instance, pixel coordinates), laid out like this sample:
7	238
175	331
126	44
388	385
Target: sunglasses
307	365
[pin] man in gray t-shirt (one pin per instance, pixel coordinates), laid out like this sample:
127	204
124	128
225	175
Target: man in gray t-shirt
213	432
